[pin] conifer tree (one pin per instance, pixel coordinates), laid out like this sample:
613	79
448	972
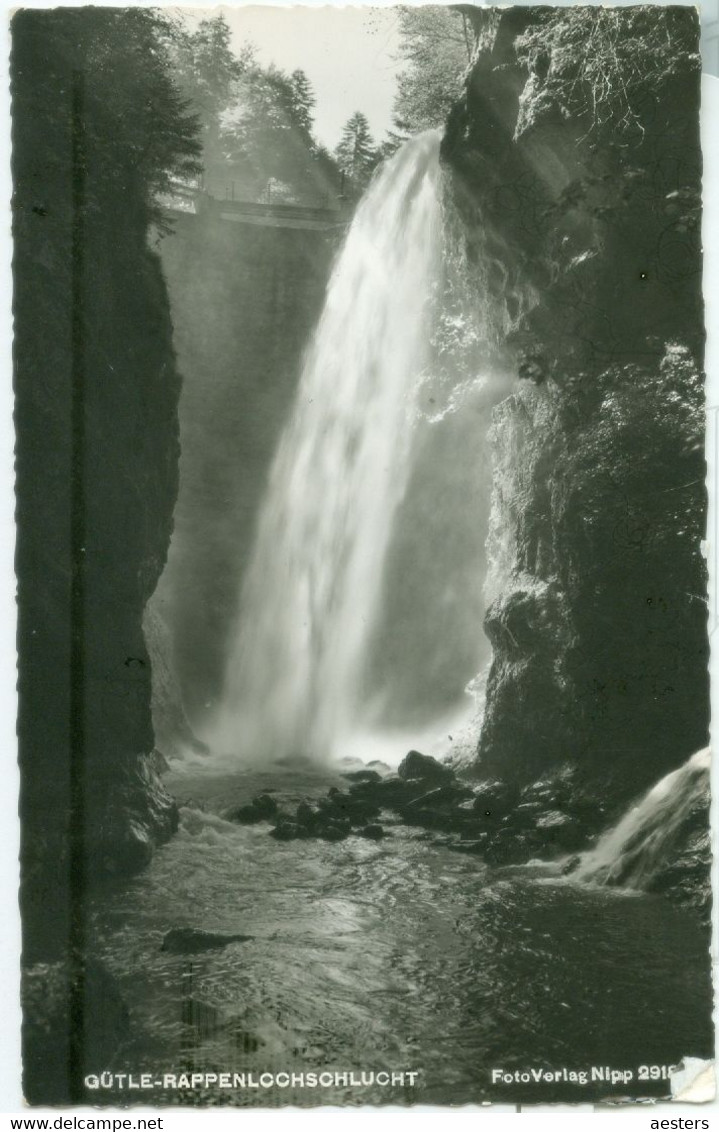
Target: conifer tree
356	152
302	101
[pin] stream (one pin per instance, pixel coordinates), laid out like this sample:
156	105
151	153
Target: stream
393	955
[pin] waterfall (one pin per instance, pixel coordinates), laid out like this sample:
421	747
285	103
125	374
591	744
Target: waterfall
311	595
643	841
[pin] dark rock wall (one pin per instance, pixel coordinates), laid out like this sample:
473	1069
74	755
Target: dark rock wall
97	446
598	623
244	300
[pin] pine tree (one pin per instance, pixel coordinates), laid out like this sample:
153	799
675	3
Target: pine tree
356	153
207	68
256	121
207	71
302	101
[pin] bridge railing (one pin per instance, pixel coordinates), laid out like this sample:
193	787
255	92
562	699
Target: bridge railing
186	197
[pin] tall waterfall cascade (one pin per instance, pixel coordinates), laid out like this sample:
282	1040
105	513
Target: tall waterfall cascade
642	842
310	598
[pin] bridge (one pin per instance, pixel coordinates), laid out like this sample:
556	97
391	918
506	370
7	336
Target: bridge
185	201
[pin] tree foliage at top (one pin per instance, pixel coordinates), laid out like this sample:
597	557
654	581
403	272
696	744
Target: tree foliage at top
206	69
266	131
138	130
256	121
302	101
436	46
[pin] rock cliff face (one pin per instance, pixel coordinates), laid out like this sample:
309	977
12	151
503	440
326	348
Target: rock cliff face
589	230
97	448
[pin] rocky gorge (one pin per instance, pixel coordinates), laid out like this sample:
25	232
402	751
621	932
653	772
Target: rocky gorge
581	232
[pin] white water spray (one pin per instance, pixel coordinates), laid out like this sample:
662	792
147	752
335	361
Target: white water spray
642	842
310	598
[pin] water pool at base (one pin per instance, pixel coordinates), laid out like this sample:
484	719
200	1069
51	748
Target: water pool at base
394	955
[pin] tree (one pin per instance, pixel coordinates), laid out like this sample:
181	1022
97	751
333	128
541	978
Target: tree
206	67
265	132
356	152
206	70
302	101
256	122
140	131
436	45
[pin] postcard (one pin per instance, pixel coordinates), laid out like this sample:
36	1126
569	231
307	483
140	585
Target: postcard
361	502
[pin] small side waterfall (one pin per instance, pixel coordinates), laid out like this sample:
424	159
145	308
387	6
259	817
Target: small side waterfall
634	850
309	602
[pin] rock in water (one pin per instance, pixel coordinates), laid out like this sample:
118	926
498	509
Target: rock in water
372	832
288	830
451	793
335	830
186	941
265	805
495	799
261	808
560	830
424	767
359	809
363	776
244	815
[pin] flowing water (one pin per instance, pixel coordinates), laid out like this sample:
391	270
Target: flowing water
631	852
310	600
397	955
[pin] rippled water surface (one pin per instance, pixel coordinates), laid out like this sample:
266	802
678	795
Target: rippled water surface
399	954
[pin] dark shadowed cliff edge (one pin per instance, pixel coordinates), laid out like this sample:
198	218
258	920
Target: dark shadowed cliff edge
97	128
576	165
598	622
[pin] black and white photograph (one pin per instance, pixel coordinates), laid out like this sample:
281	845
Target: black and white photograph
362	555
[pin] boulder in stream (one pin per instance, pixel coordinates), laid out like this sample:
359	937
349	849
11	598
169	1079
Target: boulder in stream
287	829
495	799
390	793
357	807
560	831
261	808
418	766
571	865
188	941
372	832
442	807
336	829
476	846
365	775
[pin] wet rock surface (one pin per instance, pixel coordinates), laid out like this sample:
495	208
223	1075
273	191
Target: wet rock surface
687	879
493	819
681	870
597	619
418	767
188	941
263	807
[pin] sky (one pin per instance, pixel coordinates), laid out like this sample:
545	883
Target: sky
350	56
